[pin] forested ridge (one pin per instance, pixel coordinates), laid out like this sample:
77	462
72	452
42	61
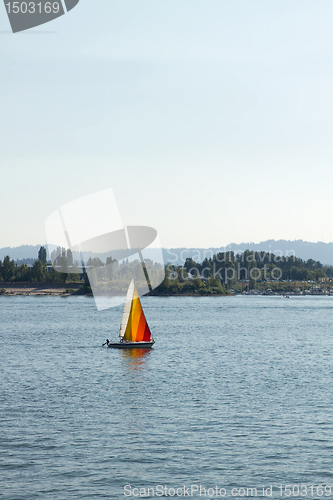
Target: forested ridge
215	275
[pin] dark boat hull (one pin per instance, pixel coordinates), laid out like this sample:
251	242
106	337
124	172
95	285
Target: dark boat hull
129	345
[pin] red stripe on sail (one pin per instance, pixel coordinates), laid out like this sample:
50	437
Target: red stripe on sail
147	334
141	328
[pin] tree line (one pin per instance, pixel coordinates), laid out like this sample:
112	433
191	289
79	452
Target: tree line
289	267
218	273
38	273
211	276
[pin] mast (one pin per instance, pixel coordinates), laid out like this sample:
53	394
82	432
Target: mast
127	309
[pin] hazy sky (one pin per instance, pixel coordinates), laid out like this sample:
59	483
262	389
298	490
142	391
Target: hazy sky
211	120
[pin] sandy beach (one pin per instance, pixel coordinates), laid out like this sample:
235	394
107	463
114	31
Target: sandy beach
27	288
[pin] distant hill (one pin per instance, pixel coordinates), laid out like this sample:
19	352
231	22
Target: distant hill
20	253
302	249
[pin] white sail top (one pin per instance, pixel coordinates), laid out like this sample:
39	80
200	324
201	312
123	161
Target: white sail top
127	309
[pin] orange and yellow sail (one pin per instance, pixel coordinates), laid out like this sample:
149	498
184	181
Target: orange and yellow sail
134	326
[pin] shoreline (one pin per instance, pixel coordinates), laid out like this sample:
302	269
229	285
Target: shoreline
38	289
71	289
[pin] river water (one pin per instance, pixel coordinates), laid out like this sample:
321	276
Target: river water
236	394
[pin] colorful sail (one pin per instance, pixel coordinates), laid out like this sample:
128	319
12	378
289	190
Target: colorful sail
134	326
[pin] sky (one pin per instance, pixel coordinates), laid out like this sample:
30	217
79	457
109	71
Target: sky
211	120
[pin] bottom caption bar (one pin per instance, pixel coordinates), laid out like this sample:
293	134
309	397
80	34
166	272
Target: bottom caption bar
194	490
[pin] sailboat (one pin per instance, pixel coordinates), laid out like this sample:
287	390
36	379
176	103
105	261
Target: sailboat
134	329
